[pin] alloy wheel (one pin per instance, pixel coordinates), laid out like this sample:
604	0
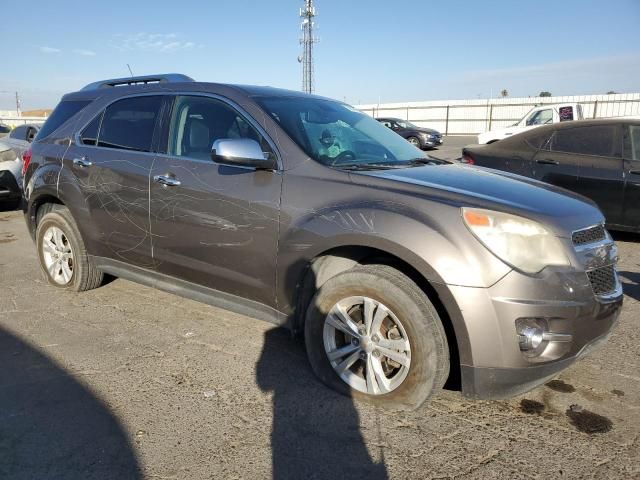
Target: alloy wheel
57	255
367	345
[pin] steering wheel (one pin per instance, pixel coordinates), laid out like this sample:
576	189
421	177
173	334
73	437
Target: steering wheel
342	156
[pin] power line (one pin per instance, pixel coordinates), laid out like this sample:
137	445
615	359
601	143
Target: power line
18	109
307	13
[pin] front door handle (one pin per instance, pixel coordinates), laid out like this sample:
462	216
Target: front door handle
634	172
82	162
166	180
546	161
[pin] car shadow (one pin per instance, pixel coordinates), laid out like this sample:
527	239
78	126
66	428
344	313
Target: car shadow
625	236
630	284
51	426
9	205
316	432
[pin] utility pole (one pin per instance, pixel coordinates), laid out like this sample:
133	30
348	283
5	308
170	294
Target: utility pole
307	13
18	111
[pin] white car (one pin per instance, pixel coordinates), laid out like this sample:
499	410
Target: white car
542	115
12	147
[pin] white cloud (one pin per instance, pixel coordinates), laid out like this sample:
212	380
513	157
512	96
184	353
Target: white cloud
151	42
46	49
86	53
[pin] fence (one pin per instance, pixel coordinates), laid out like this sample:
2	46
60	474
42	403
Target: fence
14	121
470	117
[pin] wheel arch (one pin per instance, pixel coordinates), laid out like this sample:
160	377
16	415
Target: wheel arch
340	259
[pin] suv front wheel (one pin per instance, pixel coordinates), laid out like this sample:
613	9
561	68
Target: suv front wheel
62	254
373	334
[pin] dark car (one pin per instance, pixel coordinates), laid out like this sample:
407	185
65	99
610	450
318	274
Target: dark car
418	136
599	159
296	209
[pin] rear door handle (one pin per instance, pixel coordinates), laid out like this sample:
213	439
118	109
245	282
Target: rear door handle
82	162
546	161
166	180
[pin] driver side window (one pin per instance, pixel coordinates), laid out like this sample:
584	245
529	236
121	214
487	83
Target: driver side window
542	117
197	122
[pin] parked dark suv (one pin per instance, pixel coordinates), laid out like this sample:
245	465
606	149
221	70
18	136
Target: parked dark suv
417	136
402	271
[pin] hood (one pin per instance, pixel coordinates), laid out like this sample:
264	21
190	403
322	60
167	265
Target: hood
428	130
462	185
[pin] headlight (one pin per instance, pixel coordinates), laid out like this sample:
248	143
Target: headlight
425	135
520	242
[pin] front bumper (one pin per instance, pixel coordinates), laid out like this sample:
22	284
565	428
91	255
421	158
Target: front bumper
491	383
562	298
431	142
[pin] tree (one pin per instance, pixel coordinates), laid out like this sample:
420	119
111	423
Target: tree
611	92
504	93
545	94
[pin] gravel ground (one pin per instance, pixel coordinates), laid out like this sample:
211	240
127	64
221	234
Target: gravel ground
128	382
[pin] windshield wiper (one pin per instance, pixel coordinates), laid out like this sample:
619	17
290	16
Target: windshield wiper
368	166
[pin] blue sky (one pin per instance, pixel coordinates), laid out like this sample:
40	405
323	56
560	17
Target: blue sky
369	50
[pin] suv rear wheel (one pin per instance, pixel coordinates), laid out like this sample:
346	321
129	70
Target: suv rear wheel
62	254
371	333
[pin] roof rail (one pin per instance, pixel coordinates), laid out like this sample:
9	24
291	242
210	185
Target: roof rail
161	78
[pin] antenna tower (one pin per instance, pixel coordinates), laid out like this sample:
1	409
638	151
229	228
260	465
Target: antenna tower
307	13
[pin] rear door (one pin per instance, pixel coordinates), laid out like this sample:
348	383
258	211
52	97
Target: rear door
631	214
111	161
214	225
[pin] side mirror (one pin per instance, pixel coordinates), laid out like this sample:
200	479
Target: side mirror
240	152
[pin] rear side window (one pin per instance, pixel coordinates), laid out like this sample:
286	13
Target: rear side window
596	140
63	112
89	135
129	124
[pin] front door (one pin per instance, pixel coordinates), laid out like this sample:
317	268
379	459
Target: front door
214	225
555	163
111	164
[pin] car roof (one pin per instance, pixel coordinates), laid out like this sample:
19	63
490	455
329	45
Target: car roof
593	122
249	90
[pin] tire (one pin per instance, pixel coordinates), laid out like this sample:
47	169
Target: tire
405	386
73	269
415	141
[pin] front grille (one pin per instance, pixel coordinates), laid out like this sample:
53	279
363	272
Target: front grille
589	235
603	280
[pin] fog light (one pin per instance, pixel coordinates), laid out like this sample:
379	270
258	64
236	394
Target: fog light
531	334
530	338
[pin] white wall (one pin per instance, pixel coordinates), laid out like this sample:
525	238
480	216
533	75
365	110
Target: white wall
14	120
460	117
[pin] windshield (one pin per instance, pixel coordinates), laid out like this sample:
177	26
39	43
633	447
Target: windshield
405	124
336	134
522	119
